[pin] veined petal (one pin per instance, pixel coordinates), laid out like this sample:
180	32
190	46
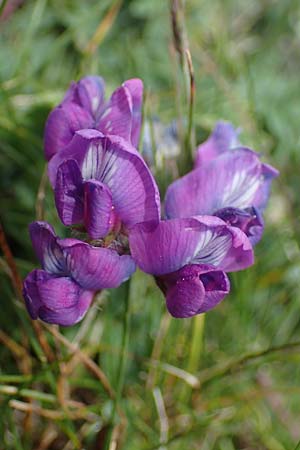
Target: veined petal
216	285
71	95
116	118
168	246
44	241
69	193
98	213
185	297
95	267
135	87
134	190
54	299
164	247
263	193
76	150
31	292
90	92
223	138
61	125
240	255
233	180
117	164
248	220
195	289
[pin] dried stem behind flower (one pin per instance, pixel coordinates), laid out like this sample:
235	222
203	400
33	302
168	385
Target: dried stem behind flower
181	45
177	28
190	138
17	284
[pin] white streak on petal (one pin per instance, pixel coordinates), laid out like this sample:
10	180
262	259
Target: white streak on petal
240	192
91	161
212	248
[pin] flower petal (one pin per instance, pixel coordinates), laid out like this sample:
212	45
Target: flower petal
76	150
240	255
168	246
95	267
234	179
69	193
165	247
263	193
135	87
61	125
223	138
31	292
44	241
90	91
248	220
216	285
116	118
195	289
185	297
98	214
114	162
54	299
140	200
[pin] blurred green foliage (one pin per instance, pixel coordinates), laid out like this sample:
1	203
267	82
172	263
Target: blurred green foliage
246	57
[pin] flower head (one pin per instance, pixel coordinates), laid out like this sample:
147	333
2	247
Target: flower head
233	186
84	107
189	258
72	271
103	183
223	138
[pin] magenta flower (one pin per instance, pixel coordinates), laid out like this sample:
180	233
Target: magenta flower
84	107
62	292
233	186
103	183
189	258
223	138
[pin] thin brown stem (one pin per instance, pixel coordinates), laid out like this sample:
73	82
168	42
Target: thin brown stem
15	277
192	92
88	362
82	413
224	369
18	287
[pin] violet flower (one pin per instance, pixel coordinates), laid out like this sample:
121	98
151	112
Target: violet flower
84	107
223	138
189	258
72	271
233	186
103	183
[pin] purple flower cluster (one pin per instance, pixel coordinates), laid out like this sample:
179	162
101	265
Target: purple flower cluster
103	187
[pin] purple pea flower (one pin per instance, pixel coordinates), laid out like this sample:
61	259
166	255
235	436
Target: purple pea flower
103	183
73	270
189	258
233	186
84	107
223	138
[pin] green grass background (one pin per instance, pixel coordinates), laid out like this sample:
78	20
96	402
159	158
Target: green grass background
246	59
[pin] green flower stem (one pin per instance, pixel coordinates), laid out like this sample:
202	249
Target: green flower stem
194	353
189	139
122	366
125	342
